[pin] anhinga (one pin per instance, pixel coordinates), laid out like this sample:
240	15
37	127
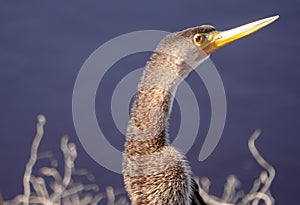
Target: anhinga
155	172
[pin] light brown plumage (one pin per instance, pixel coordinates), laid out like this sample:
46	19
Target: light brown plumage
154	172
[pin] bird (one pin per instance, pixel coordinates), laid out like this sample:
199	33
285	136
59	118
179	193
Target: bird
155	172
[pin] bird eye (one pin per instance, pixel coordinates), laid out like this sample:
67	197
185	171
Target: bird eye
198	39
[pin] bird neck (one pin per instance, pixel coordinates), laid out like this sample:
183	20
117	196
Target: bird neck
147	129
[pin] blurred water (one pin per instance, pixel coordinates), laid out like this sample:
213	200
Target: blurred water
44	44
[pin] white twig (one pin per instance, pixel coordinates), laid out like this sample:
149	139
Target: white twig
259	191
33	156
271	171
64	190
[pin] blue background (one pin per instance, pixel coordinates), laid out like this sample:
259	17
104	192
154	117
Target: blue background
43	45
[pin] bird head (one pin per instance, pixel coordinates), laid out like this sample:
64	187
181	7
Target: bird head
192	45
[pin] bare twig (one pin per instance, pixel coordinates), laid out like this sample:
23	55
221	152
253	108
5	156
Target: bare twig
64	190
259	191
33	156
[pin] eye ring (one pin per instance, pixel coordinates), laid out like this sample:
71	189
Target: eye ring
198	38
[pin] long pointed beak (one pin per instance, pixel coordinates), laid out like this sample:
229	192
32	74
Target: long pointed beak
225	37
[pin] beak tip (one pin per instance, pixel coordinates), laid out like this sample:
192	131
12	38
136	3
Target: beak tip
274	18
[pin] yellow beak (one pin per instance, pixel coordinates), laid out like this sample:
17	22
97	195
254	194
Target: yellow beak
225	37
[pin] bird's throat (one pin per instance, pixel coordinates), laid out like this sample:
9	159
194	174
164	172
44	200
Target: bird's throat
147	129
